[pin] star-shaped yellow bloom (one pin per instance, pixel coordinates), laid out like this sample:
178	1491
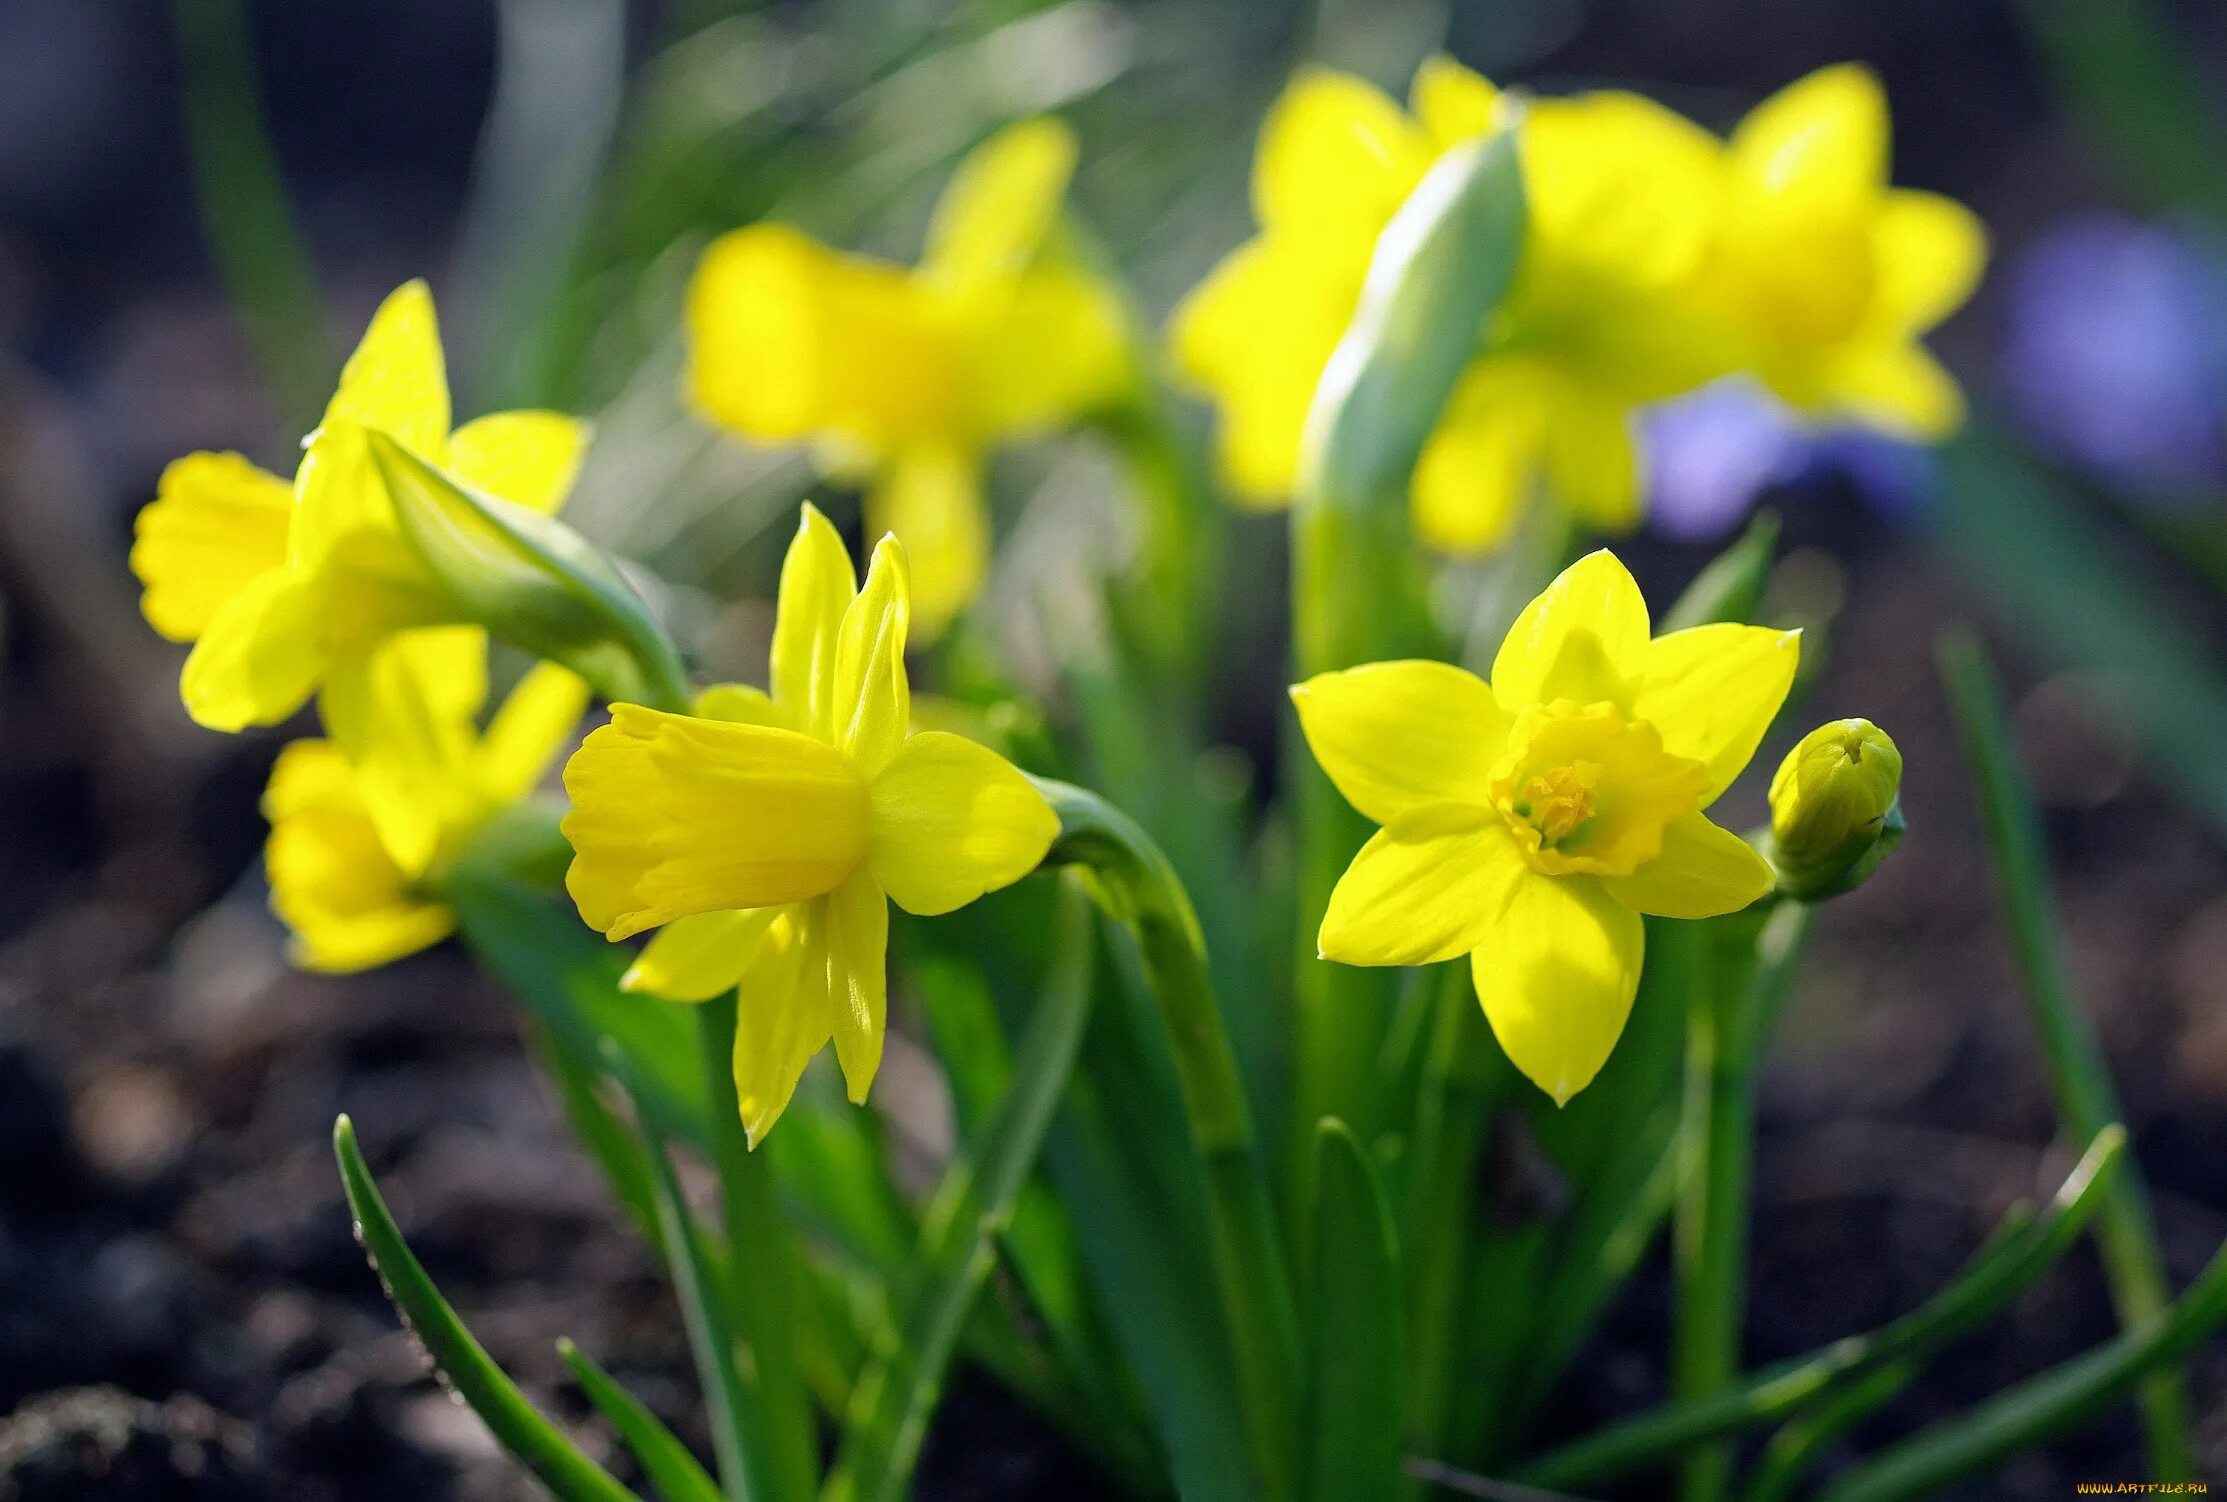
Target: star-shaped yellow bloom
1530	821
767	832
909	377
1828	274
1601	319
351	900
286	587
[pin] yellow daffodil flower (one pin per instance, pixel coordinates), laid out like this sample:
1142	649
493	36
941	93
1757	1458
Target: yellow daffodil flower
288	587
907	378
1528	822
766	832
1600	320
1828	274
351	900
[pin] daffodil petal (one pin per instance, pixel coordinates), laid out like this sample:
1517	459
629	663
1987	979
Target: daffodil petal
1704	870
673	815
1928	251
1618	186
858	979
782	1015
873	699
1398	737
1557	977
951	821
1592	464
701	956
1335	152
742	704
1712	691
348	906
1452	103
260	657
931	498
396	380
1476	471
1583	638
216	524
1823	137
1002	202
817	587
1421	891
406	751
529	729
528	458
1897	386
1048	348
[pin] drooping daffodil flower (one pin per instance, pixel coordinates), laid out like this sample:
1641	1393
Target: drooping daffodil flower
906	379
1600	320
1529	821
349	898
289	588
766	833
1828	276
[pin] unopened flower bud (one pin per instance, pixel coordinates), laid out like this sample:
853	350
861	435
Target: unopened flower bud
1835	808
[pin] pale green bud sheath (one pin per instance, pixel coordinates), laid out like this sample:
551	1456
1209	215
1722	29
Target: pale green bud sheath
1836	808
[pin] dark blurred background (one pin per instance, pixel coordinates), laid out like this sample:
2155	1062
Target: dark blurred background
178	1285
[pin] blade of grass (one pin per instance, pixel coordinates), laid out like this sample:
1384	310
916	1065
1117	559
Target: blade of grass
663	1458
892	1402
258	249
2041	1407
1354	1309
2009	1263
462	1362
2086	1099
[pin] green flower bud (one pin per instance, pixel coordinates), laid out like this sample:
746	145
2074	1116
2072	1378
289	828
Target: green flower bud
1836	809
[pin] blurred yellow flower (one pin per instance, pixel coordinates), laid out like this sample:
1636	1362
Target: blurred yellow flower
1826	274
1528	822
909	377
767	831
286	588
1600	320
351	900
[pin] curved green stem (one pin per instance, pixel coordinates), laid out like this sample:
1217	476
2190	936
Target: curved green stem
1131	880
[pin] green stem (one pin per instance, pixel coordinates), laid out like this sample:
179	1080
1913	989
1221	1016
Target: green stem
251	230
2086	1099
1745	965
1133	883
765	1283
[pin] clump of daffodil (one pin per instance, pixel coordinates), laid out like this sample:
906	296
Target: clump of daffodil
1827	276
1530	821
767	832
285	587
1836	808
907	378
1600	320
350	898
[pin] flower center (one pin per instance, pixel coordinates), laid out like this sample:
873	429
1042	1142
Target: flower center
1587	790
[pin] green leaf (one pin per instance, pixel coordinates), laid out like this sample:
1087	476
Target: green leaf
663	1458
1731	587
532	581
2086	1099
893	1400
463	1364
1354	1314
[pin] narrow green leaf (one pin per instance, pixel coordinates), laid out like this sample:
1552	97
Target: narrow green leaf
532	581
463	1364
663	1458
2042	1407
1354	1313
894	1398
744	1469
2086	1099
1731	587
2011	1261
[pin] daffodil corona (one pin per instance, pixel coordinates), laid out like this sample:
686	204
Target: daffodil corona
1530	821
766	832
908	378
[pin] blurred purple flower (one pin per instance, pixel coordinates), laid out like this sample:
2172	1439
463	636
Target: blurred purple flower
1713	455
2117	354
